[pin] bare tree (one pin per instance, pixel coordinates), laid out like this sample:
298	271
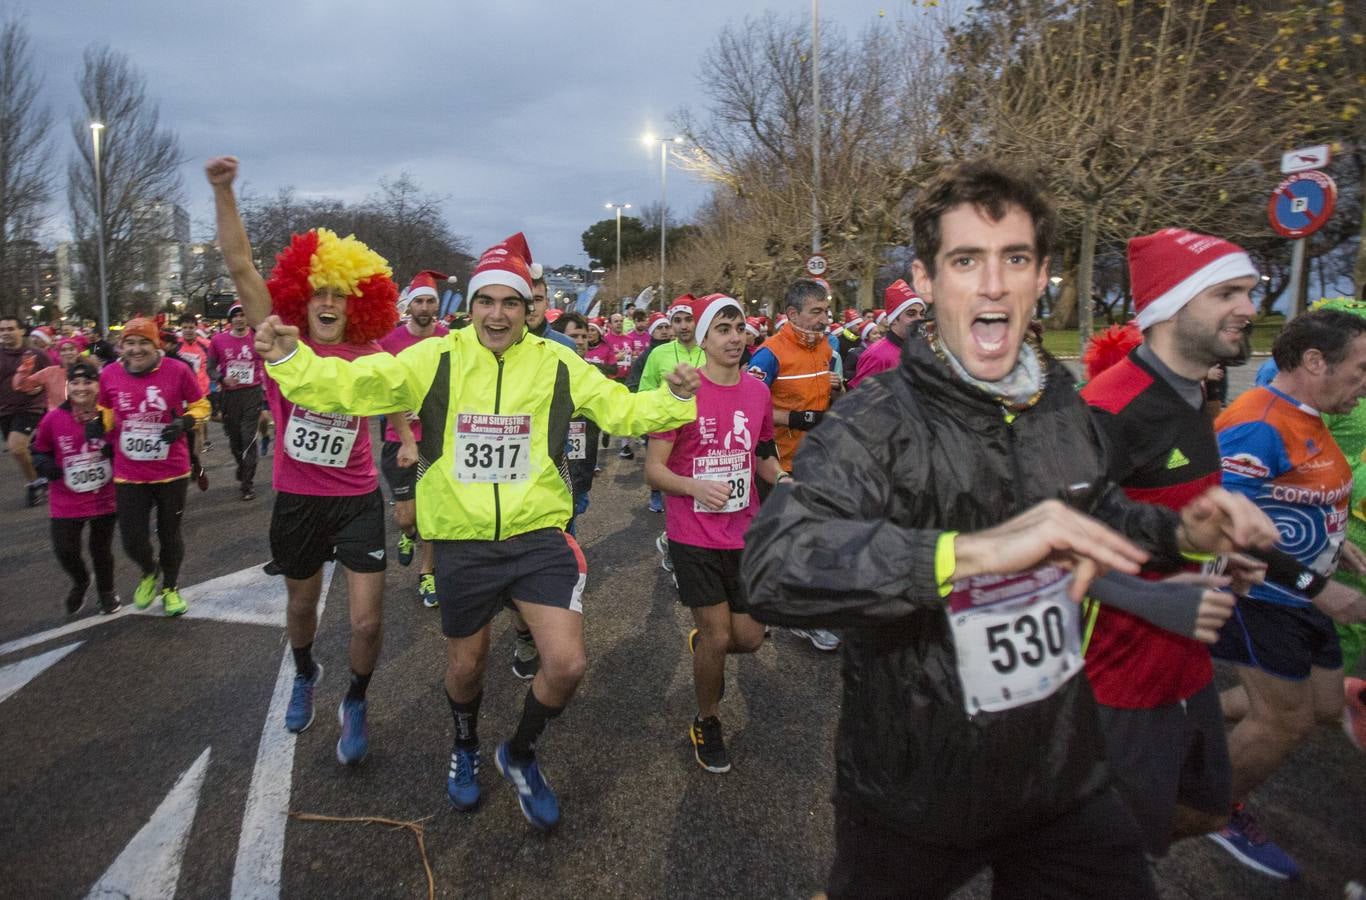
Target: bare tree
401	222
755	141
1140	115
25	179
139	162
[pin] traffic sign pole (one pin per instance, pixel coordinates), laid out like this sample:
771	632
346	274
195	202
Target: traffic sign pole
1297	277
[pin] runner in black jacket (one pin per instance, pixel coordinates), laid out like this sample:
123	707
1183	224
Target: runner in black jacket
935	782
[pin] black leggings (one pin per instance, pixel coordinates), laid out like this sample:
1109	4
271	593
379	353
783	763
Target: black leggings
66	542
135	505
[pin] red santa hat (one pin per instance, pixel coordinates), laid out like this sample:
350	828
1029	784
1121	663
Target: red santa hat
782	320
424	284
1168	268
682	304
599	323
552	314
507	263
866	330
752	325
42	335
657	320
899	298
850	315
707	308
879	316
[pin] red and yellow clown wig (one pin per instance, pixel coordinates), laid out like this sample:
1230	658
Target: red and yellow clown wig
318	259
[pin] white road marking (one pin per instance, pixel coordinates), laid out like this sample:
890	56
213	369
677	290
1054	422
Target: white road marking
247	597
261	843
16	675
53	634
149	867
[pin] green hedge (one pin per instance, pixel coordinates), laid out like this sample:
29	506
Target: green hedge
1065	343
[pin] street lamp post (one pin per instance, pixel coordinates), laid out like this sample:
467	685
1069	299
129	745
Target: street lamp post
618	207
663	208
95	129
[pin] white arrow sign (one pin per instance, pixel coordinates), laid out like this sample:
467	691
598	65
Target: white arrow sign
1306	159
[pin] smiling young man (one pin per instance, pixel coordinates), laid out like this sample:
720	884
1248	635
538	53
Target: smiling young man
955	512
495	403
398	456
707	471
328	503
681	348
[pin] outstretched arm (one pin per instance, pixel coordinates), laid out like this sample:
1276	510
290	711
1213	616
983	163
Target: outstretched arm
232	241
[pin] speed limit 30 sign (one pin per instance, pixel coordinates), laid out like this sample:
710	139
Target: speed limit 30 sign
816	265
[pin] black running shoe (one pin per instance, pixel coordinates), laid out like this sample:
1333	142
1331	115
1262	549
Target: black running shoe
708	746
75	599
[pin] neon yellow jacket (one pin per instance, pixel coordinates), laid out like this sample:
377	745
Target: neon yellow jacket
444	377
662	360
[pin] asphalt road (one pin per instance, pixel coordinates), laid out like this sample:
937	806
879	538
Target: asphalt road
97	743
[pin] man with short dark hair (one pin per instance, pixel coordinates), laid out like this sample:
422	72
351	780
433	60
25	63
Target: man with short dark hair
1154	684
1278	452
20	411
953	513
236	366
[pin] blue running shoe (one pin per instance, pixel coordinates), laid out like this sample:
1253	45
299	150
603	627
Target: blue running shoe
1243	838
354	742
299	713
462	779
538	801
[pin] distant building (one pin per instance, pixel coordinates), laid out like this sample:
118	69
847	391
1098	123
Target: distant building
162	272
32	274
70	273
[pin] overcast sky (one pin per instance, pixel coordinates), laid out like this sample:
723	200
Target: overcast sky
529	118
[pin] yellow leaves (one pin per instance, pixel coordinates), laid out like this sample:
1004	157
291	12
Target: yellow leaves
1349	112
1337	8
1262	81
1283	63
1223	196
1358	39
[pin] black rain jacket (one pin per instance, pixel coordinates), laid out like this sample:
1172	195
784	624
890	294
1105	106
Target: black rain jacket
850	543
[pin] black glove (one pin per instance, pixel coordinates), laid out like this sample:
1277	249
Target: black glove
804	419
177	428
1288	572
45	464
94	429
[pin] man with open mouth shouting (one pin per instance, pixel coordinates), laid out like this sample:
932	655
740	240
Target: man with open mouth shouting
954	512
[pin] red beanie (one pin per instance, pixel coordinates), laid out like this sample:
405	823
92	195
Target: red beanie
1167	269
898	298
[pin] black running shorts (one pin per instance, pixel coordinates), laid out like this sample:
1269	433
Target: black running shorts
1168	755
307	531
474	579
23	422
707	577
1285	641
402	481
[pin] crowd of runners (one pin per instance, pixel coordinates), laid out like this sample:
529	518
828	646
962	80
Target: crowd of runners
1029	580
